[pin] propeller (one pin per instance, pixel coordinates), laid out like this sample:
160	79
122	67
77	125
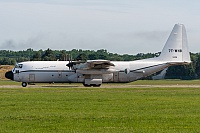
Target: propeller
70	64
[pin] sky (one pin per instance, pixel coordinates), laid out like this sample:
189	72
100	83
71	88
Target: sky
119	26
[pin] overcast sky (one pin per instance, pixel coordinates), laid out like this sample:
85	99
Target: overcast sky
120	26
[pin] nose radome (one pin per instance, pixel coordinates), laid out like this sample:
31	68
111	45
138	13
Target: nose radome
9	75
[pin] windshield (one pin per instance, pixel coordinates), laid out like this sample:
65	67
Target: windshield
18	65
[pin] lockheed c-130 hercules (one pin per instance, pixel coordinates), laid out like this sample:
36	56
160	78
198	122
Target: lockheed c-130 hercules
96	72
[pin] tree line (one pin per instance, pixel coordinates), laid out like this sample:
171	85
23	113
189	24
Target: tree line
9	57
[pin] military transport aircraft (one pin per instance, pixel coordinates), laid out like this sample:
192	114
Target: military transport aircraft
96	72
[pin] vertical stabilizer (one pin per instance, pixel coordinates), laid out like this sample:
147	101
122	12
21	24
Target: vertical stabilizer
176	49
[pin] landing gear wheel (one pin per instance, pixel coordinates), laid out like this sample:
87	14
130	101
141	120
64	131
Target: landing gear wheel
24	84
96	85
86	85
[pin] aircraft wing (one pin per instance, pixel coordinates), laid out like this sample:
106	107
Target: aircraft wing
99	64
95	64
97	67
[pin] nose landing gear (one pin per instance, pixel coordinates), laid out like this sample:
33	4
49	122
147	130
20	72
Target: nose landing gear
24	84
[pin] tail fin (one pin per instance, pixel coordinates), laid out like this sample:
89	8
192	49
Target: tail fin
176	49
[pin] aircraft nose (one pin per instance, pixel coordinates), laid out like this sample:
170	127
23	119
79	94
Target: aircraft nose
9	75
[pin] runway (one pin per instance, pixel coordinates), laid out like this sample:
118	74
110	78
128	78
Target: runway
102	86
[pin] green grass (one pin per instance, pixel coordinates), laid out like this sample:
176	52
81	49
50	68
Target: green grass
9	82
65	109
166	82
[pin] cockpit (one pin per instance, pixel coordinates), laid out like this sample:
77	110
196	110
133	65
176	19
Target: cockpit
18	65
17	68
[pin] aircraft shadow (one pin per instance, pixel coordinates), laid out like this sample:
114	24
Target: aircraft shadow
60	86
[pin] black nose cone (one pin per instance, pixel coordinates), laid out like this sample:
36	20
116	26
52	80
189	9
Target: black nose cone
9	75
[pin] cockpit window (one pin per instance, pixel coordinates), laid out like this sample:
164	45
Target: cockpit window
19	66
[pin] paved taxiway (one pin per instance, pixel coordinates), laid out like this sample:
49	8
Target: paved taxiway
103	86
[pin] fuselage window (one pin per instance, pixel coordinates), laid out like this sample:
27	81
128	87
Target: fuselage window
19	66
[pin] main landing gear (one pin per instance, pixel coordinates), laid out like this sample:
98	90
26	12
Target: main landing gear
90	85
24	84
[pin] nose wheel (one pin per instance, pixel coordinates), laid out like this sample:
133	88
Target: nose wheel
24	84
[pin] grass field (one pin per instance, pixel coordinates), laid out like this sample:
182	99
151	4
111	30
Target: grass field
113	110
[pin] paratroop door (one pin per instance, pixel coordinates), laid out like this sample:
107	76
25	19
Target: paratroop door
116	76
31	77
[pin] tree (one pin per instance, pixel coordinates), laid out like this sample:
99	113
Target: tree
92	56
82	57
36	56
63	56
48	55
